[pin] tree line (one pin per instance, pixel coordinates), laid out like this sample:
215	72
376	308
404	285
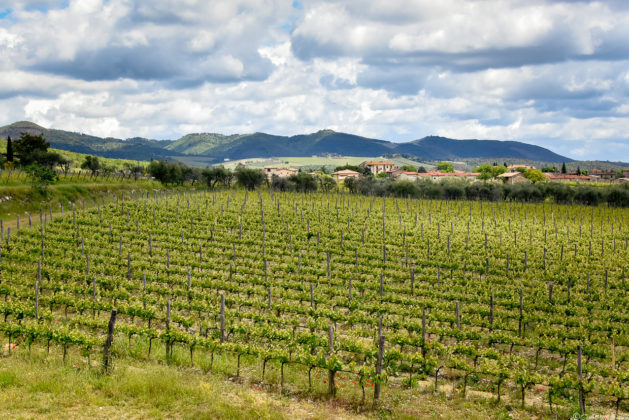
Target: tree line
175	173
616	196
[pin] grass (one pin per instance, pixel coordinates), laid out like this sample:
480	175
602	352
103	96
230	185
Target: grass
24	200
38	385
77	158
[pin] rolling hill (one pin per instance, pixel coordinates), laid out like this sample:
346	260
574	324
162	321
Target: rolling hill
215	147
135	148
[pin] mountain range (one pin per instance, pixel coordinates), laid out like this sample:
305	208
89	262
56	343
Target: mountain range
215	148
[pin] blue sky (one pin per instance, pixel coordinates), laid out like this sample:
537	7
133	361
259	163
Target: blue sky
552	73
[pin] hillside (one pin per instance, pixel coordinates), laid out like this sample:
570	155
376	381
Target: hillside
214	147
133	149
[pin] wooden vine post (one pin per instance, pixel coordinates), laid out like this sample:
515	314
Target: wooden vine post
331	373
109	341
377	386
580	371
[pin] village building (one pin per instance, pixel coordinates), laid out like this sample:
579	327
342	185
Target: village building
438	175
378	167
340	176
518	167
269	171
603	174
403	175
513	177
568	178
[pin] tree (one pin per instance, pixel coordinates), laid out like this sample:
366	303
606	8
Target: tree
216	175
350	184
280	183
190	174
41	177
30	148
135	170
303	182
409	168
48	159
248	177
534	175
445	167
328	184
9	149
166	172
355	168
487	171
91	163
578	170
421	170
563	168
65	165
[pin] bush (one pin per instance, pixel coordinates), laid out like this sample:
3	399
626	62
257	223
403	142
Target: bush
248	177
618	197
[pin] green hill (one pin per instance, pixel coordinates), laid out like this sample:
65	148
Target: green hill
214	148
134	148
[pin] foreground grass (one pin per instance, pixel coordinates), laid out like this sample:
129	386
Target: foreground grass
40	385
24	199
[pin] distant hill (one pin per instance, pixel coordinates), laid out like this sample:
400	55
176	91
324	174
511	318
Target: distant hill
328	141
217	147
135	148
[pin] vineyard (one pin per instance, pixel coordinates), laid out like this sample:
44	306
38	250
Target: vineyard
361	294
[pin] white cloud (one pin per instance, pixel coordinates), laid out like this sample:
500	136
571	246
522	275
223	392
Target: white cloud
549	72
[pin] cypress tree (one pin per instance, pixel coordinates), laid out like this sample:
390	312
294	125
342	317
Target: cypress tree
9	149
563	168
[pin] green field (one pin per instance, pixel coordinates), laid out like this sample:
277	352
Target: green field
491	306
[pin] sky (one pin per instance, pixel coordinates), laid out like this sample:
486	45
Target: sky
551	73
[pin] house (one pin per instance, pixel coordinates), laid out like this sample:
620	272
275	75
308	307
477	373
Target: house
513	177
603	174
399	173
468	176
568	178
517	168
438	175
378	167
340	176
403	175
269	171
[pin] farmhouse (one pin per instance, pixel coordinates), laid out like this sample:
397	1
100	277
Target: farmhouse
401	174
513	177
568	178
269	171
378	167
340	176
517	168
438	175
603	174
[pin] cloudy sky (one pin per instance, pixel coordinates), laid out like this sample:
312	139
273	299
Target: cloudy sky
552	73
